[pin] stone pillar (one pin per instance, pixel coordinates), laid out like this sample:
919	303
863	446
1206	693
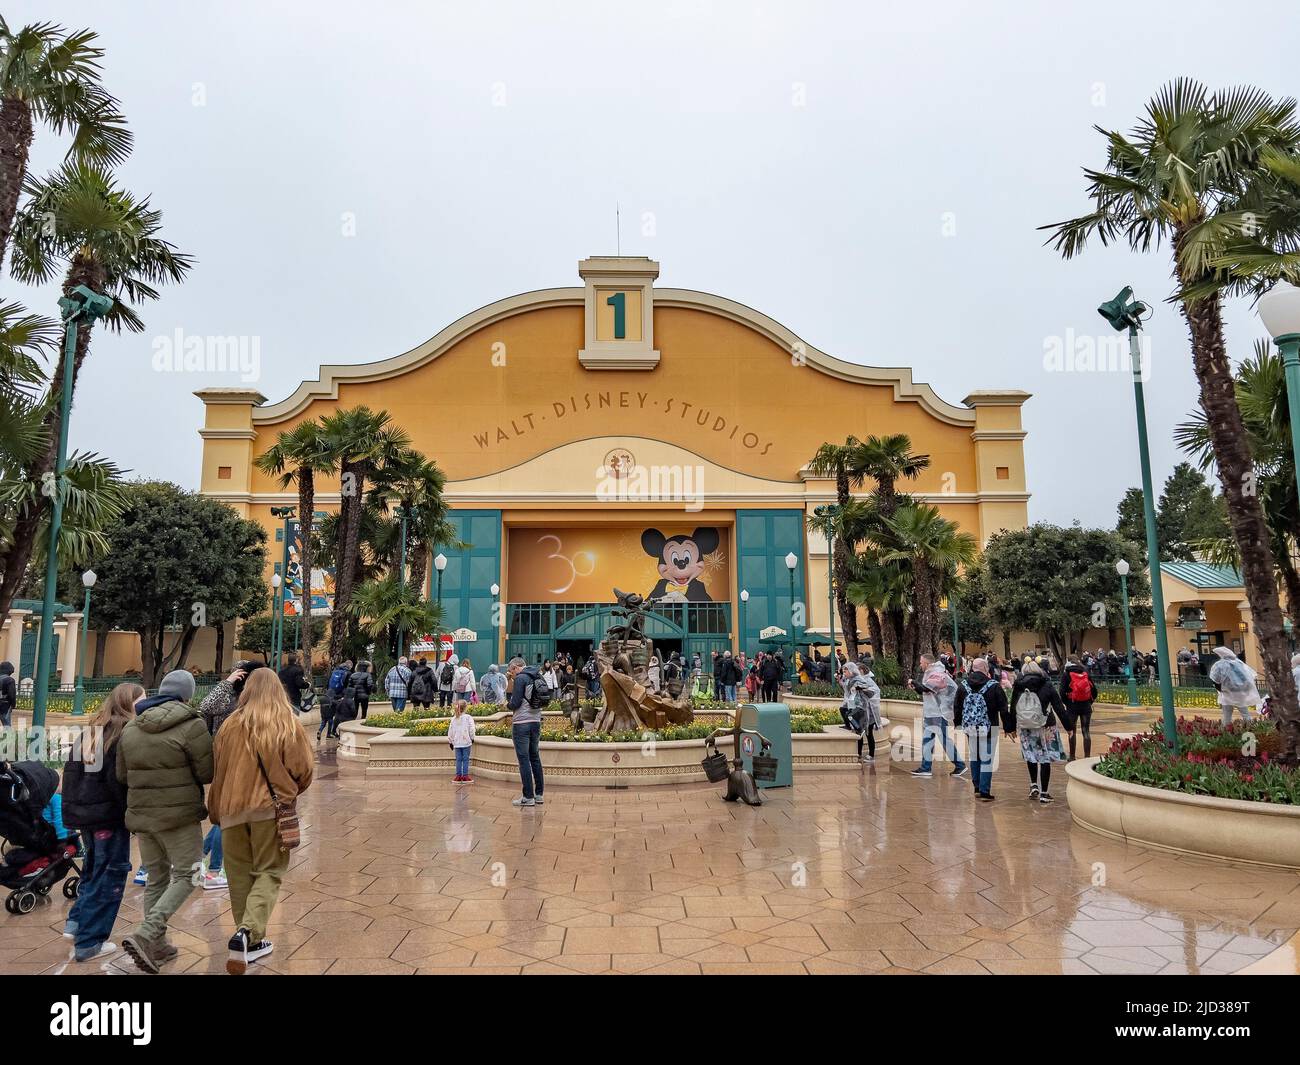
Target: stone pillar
13	639
1000	491
69	646
60	645
1249	645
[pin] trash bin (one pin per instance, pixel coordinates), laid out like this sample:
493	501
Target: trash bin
773	721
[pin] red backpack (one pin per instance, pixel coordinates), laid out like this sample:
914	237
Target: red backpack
1080	687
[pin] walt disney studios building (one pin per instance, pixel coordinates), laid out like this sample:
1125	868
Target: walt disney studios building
619	434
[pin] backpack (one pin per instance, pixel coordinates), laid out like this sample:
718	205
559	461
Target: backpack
418	686
1029	711
339	678
448	671
541	693
975	711
1080	688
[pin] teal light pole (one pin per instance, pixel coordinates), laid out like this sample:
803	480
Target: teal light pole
1279	308
277	597
79	699
791	560
278	620
81	308
401	578
1121	567
744	598
1123	312
439	564
830	512
956	636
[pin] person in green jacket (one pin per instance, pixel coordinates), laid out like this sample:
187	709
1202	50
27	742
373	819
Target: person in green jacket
165	758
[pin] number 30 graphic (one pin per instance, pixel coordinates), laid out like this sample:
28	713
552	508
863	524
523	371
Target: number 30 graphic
572	563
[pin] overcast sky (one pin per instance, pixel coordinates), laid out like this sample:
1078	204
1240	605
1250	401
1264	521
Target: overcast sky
869	175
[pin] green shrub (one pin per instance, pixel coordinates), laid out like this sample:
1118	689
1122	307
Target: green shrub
807	723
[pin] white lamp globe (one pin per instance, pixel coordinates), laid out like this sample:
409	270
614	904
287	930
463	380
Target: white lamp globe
791	560
744	595
1279	309
1121	567
440	562
89	578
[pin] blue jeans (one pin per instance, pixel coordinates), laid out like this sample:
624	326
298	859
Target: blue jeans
526	739
981	746
212	848
103	880
462	761
938	725
399	703
729	690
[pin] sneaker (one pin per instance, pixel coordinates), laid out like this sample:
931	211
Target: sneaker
521	801
985	798
259	950
144	953
538	799
105	949
237	961
925	773
1033	791
1045	798
964	771
141	877
69	929
467	780
214	881
866	759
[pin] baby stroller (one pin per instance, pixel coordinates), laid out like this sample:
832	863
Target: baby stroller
35	859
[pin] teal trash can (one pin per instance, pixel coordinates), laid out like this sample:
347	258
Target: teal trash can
773	721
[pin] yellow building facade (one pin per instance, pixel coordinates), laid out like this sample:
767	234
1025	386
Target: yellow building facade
620	434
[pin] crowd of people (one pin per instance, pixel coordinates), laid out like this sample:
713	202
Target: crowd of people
155	768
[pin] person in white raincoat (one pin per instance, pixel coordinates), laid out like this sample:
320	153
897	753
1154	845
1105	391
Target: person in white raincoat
1236	683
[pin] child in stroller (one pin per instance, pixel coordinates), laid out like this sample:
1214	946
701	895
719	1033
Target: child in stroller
35	857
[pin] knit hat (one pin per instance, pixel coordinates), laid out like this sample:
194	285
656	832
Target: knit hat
179	684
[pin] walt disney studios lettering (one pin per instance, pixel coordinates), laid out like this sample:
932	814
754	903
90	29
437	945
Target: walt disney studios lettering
672	408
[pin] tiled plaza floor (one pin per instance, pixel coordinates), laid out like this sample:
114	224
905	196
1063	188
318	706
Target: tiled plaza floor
868	871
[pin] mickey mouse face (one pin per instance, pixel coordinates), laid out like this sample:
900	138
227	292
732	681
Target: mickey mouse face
680	559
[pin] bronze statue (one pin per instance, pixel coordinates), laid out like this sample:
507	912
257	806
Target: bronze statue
740	784
623	660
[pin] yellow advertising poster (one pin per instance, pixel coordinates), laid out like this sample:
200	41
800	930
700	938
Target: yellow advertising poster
675	563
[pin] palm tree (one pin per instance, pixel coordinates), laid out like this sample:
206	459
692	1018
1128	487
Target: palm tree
1190	174
51	76
384	609
78	220
934	549
361	440
410	483
840	461
888	460
1265	413
296	457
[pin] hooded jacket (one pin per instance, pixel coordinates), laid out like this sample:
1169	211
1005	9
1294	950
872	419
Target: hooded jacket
165	757
1071	668
94	798
520	696
1042	687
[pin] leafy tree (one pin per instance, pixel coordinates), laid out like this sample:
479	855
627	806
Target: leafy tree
969	595
1061	582
79	222
1132	523
50	76
176	558
1200	171
1188	514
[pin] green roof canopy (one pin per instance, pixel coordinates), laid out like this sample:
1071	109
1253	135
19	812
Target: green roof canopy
1203	575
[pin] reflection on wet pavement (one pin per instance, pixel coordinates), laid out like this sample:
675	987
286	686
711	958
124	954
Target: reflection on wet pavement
863	871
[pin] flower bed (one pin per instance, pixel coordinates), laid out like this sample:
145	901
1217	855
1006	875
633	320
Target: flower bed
820	689
1234	762
559	730
1149	695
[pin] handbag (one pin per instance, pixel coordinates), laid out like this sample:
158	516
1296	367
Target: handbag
287	828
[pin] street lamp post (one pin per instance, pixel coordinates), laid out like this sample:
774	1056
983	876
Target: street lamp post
1125	313
1279	308
791	560
1121	567
496	625
79	698
276	581
956	636
744	598
287	513
401	578
831	512
83	307
440	564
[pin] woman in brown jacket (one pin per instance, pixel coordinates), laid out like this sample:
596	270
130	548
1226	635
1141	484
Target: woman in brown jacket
260	746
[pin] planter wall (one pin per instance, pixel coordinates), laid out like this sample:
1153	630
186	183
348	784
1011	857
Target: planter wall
391	752
1261	833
